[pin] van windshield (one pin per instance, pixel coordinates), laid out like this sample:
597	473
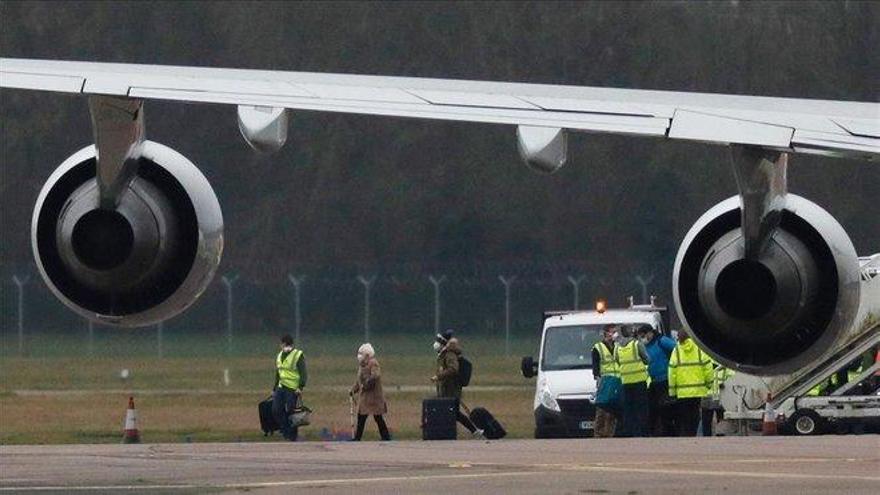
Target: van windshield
570	347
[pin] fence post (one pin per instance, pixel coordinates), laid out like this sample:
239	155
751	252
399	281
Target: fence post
228	281
91	343
644	283
507	281
436	282
368	283
576	284
159	327
20	283
297	285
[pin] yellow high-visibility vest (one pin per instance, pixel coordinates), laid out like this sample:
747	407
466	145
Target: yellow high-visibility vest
820	388
288	375
629	364
719	376
851	375
607	364
690	372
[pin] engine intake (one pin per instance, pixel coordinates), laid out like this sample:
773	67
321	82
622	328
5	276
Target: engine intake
774	314
141	263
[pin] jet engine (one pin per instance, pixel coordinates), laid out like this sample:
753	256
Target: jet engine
775	313
141	262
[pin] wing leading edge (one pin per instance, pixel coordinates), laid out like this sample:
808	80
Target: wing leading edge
833	128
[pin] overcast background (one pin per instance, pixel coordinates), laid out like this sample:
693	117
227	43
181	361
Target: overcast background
402	199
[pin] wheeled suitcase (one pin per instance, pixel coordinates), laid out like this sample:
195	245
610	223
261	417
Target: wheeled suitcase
267	420
438	418
484	420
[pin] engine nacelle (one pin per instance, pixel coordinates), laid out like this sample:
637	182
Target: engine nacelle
139	264
772	315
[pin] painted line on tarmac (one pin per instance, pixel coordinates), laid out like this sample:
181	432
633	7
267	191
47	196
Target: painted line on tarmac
794	460
554	468
271	484
700	472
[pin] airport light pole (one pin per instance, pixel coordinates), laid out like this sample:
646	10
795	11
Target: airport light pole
297	287
91	344
368	283
228	281
436	282
159	328
20	283
576	284
507	281
644	282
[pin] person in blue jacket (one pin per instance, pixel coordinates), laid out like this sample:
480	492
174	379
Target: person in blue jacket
661	416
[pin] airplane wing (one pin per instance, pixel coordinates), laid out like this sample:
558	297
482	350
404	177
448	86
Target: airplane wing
833	128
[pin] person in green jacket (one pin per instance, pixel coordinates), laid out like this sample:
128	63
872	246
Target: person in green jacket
690	379
711	410
446	379
290	378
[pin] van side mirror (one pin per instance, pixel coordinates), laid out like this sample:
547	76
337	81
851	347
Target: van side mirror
529	367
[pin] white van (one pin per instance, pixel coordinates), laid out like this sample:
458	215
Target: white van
565	394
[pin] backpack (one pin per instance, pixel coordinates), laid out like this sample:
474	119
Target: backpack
465	368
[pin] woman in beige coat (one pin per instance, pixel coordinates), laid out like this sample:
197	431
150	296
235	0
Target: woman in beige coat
368	387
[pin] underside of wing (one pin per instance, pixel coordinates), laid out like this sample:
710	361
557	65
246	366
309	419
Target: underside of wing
834	128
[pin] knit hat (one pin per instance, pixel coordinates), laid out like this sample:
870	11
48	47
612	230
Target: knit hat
444	337
366	350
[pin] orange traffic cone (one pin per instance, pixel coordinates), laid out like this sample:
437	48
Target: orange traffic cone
130	433
768	425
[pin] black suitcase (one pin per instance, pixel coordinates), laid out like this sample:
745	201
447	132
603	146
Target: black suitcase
484	420
267	420
438	418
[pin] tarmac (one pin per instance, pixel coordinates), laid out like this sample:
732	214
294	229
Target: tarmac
778	465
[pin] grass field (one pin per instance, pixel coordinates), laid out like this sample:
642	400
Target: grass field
67	396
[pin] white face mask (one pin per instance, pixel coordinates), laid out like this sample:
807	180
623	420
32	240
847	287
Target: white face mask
287	348
437	346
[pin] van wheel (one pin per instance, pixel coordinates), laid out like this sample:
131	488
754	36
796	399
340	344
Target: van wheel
806	422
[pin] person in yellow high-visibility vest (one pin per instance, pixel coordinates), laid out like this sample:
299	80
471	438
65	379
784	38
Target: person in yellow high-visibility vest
690	379
632	365
290	378
820	389
711	410
605	370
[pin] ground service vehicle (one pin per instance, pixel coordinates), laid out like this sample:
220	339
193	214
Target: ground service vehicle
565	392
813	400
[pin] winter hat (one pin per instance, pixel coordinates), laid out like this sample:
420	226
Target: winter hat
444	337
366	350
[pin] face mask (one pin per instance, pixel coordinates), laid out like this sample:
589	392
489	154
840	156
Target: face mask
287	348
360	357
437	346
616	336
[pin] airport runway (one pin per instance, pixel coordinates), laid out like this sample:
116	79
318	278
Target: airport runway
778	465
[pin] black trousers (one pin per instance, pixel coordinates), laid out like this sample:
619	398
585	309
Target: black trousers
465	421
283	403
707	419
460	416
635	410
380	422
661	416
687	417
